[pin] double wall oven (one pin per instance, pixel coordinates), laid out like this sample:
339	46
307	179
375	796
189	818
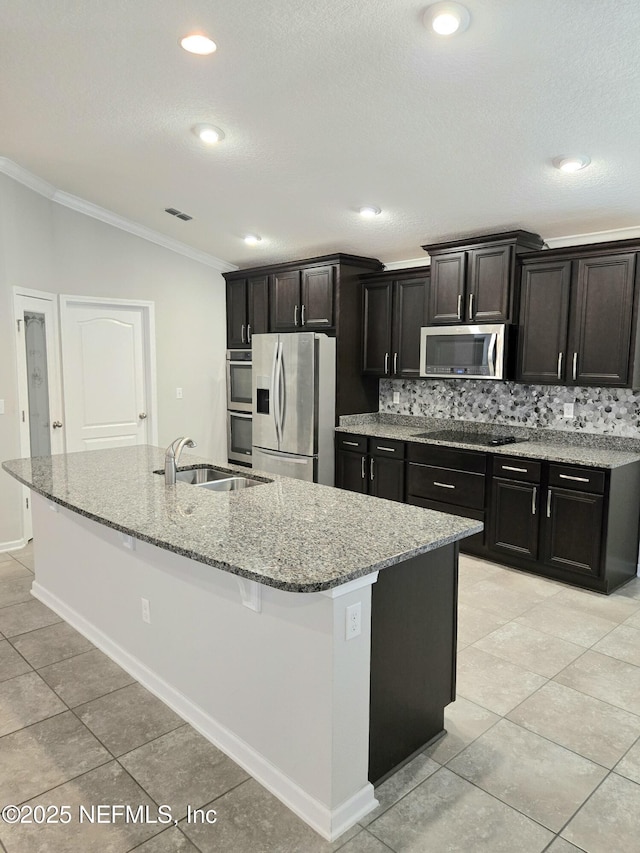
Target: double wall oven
239	432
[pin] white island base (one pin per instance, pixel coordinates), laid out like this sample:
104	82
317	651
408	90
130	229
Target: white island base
266	675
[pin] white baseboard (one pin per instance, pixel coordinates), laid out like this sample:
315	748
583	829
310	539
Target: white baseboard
12	546
328	823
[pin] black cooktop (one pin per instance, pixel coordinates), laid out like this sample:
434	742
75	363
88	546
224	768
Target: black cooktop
483	439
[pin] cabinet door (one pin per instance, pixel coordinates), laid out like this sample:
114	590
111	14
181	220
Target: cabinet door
386	478
514	518
316	311
408	318
600	331
489	285
544	319
258	305
237	313
573	531
351	471
285	301
446	291
376	337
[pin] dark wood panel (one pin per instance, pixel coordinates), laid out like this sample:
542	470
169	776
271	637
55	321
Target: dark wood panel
447	457
413	654
351	443
544	320
258	306
387	447
489	285
408	318
514	518
444	484
351	471
237	313
446	290
318	285
377	307
573	531
515	468
285	301
574	477
386	478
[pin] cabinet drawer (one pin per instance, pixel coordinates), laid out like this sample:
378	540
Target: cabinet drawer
442	484
386	447
447	457
353	443
511	468
585	479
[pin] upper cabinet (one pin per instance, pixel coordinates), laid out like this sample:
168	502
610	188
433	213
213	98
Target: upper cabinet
247	309
578	318
303	299
473	280
393	313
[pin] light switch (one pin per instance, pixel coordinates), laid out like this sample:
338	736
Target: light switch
1	407
568	410
396	396
178	393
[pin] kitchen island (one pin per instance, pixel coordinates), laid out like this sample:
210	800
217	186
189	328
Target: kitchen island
249	598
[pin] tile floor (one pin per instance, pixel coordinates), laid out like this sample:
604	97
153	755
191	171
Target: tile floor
542	751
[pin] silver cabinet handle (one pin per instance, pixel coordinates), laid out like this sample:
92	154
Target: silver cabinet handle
549	504
142	416
443	485
575	366
249	333
302	320
243	336
295	316
57	424
395	362
471	306
575	479
389	449
534	500
362	461
371	468
459	306
386	362
511	468
560	365
351	443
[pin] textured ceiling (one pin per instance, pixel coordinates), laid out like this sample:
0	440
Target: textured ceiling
328	106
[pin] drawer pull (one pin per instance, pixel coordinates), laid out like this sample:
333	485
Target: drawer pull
443	485
351	443
371	468
534	500
511	468
389	449
575	479
362	467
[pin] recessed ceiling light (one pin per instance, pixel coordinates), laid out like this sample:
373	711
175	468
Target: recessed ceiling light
369	211
207	133
571	164
198	43
445	19
252	239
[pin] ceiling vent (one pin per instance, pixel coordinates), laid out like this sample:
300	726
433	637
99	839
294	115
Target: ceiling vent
178	214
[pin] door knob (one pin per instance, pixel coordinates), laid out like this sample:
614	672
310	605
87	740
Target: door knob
142	415
56	424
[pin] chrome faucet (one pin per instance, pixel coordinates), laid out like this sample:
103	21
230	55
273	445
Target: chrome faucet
172	457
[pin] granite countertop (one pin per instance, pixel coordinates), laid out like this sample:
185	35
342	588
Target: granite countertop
284	533
563	448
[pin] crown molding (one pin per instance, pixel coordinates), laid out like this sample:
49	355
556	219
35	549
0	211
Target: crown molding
593	237
422	261
33	182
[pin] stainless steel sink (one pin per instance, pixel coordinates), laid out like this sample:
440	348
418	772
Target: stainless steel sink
214	480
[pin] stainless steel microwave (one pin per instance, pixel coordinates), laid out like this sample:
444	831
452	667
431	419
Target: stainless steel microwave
463	352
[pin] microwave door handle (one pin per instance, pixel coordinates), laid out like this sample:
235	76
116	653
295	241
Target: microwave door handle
491	354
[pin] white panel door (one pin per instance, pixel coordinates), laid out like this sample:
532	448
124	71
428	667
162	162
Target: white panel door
104	374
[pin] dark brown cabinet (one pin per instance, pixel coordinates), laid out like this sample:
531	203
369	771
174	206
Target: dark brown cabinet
247	310
578	323
303	300
514	513
393	314
473	280
573	531
370	466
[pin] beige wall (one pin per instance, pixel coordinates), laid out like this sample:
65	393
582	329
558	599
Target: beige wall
46	246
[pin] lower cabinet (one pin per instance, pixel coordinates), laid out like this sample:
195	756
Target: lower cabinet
370	466
572	538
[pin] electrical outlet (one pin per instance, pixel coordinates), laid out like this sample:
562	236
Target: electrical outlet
396	396
178	393
353	619
568	410
146	610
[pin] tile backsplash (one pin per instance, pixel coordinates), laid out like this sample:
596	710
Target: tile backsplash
602	411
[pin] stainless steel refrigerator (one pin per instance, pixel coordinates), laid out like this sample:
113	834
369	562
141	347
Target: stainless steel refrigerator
294	392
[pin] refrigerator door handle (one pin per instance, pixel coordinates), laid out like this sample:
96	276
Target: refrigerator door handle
281	390
290	457
275	390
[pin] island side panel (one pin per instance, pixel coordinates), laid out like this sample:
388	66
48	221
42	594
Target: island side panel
281	691
413	657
